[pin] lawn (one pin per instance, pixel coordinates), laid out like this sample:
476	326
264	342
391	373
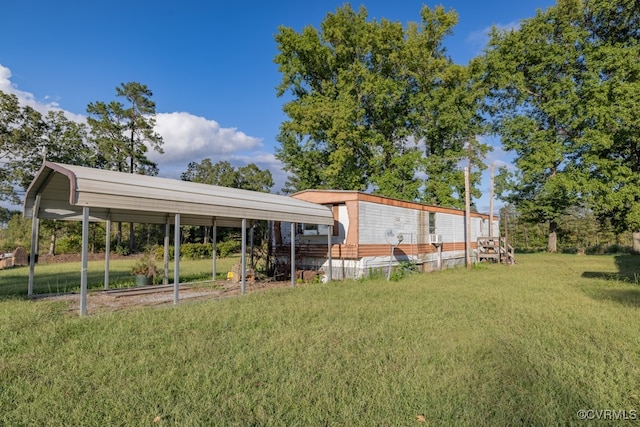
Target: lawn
529	344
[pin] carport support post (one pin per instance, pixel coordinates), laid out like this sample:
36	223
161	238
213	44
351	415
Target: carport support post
107	253
165	260
34	242
214	250
329	259
176	260
85	256
243	261
293	254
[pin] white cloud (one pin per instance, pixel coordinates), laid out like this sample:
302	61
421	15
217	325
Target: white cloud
191	138
187	138
28	99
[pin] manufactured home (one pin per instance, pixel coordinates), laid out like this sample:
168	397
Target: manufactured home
374	233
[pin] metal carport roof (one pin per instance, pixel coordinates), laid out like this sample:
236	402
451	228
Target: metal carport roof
119	196
78	193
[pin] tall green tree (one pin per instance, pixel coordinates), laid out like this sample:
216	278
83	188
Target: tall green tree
363	96
21	132
27	138
610	102
124	133
531	78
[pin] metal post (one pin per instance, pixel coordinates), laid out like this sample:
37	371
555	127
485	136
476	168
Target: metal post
176	258
107	253
329	258
34	242
293	254
165	274
214	250
243	263
85	257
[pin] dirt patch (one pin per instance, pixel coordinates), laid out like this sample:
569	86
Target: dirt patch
50	259
131	298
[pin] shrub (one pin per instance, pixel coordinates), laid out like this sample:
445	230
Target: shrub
195	251
227	247
71	244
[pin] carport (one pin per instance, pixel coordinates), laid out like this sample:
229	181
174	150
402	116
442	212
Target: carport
77	193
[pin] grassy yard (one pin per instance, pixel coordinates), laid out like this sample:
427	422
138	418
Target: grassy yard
529	344
65	277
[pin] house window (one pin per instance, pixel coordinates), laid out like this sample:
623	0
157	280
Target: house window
432	223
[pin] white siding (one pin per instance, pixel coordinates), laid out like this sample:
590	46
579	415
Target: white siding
375	219
450	226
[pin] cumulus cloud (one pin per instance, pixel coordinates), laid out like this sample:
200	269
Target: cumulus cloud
191	138
28	99
187	138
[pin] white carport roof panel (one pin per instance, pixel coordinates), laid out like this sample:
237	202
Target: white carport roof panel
118	196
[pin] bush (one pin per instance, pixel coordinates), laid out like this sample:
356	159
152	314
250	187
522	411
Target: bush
71	244
227	247
199	250
195	251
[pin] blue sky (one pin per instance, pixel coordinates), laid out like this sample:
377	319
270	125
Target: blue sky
209	63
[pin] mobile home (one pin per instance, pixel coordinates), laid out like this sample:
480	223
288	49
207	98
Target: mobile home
379	233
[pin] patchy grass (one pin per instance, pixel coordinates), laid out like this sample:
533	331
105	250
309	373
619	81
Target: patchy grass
529	344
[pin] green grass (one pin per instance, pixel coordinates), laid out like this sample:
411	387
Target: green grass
65	277
529	344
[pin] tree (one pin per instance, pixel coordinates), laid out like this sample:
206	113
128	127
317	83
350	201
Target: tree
610	101
222	173
530	74
124	134
363	96
27	138
20	129
249	177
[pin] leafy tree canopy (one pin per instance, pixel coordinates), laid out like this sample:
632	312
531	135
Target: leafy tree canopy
27	138
125	133
222	173
377	106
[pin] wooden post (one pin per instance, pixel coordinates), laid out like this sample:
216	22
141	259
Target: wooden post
491	203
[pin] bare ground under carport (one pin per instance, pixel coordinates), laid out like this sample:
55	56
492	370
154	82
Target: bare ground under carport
157	295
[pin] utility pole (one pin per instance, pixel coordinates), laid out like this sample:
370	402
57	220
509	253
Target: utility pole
491	203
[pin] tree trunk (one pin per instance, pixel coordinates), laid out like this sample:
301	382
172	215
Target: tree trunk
119	235
131	238
636	242
552	244
52	245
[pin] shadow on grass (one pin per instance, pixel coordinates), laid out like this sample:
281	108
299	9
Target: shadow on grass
628	272
629	297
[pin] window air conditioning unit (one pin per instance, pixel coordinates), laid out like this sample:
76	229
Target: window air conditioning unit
435	239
